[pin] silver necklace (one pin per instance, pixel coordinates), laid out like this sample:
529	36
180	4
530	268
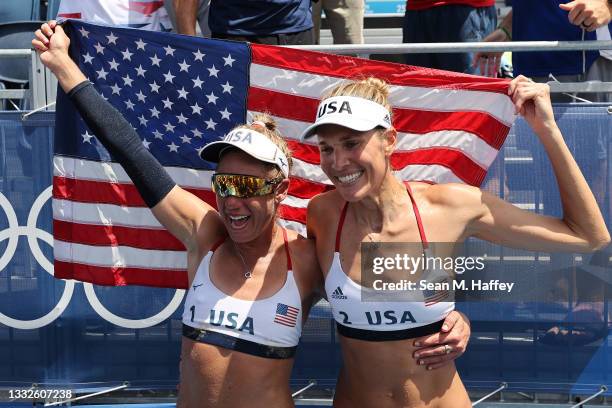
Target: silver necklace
247	273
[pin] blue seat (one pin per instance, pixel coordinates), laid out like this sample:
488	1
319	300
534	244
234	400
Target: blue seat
52	9
19	10
16	35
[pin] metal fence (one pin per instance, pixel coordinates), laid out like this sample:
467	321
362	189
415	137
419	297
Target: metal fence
41	89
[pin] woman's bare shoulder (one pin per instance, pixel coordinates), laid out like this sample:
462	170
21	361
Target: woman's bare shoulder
446	194
325	204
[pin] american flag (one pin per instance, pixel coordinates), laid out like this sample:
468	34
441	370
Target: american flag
180	93
286	315
431	297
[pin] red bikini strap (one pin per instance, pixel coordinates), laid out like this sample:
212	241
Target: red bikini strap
418	217
340	224
287	249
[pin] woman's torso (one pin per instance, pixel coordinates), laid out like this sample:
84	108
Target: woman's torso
239	337
384	373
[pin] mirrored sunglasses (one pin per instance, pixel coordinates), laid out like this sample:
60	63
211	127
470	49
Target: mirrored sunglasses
242	186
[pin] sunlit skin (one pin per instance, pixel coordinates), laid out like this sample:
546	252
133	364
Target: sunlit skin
357	163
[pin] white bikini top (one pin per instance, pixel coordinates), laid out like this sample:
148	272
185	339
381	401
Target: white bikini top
385	320
269	327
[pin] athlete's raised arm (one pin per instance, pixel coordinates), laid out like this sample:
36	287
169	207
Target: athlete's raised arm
582	227
183	214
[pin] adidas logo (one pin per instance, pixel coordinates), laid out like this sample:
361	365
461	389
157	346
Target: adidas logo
337	294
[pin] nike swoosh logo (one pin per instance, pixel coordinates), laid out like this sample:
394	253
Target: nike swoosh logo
197	286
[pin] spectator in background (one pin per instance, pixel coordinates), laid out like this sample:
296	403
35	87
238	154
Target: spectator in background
552	20
447	21
345	19
144	14
185	13
279	22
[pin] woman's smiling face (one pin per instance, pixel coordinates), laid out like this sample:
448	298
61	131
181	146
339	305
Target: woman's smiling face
246	218
355	162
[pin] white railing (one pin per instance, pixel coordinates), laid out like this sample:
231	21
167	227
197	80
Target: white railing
42	84
428	48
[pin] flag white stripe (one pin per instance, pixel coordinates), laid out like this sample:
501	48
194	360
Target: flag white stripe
103	214
83	169
293	225
113	172
471	145
295	201
119	256
433	173
409	97
309	171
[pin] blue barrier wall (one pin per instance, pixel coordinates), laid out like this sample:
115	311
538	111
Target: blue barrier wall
378	7
55	331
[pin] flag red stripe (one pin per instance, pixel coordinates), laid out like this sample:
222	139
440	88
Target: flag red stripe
120	276
287	106
303	109
69	15
293	213
290	324
348	67
304	188
110	193
116	235
286	319
305	152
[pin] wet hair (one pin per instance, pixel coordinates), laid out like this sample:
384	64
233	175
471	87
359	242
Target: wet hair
266	125
373	89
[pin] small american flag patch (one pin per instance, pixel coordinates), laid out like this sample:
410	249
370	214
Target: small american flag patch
434	296
286	315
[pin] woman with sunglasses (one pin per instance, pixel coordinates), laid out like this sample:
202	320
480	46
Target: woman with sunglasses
249	291
356	138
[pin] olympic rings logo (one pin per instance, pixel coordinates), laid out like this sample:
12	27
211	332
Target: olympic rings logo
33	233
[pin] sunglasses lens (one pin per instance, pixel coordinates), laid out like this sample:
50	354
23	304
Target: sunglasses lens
241	186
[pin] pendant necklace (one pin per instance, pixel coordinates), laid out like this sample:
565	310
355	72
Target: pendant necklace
249	274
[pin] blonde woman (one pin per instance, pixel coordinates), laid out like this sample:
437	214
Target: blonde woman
370	204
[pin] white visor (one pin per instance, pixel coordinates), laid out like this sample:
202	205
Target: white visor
253	143
352	112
